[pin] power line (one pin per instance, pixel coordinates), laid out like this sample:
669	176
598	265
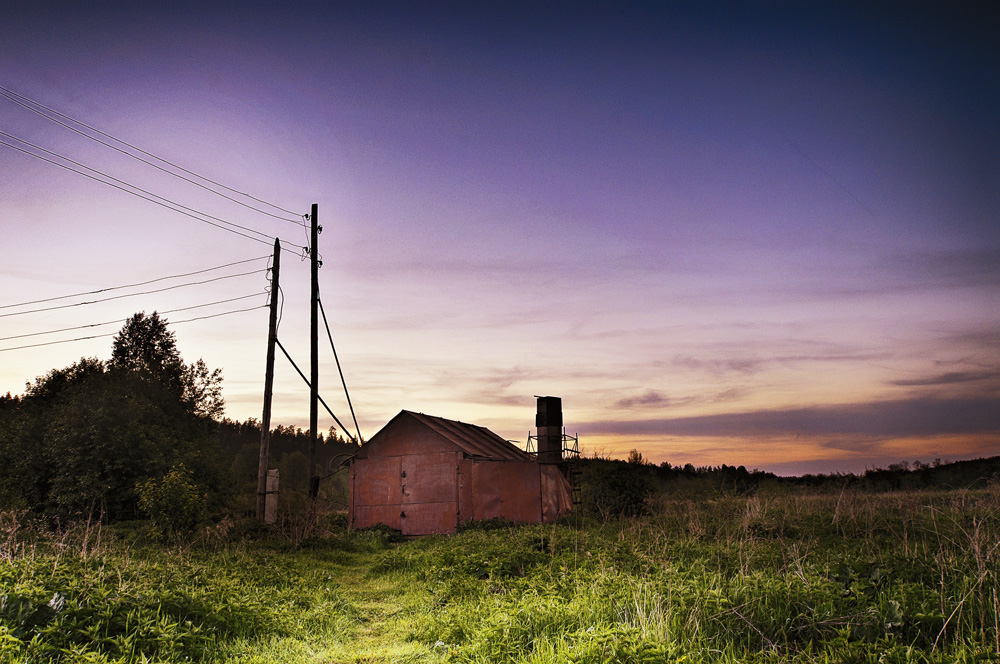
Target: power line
224	313
281	293
123	182
335	418
112	322
151	200
53	343
119	297
17	99
129	184
135	285
270	240
830	176
337	359
100	336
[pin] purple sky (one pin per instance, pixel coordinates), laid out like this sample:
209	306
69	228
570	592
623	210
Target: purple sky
722	234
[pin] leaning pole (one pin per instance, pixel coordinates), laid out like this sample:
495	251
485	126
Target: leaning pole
265	423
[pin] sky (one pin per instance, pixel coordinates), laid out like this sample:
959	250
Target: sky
753	234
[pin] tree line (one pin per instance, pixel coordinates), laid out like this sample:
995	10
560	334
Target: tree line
614	487
83	441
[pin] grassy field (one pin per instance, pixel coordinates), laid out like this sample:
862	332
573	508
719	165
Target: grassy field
851	577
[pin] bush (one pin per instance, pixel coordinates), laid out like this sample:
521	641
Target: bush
616	488
173	503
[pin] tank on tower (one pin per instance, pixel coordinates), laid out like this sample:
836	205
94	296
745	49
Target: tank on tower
549	422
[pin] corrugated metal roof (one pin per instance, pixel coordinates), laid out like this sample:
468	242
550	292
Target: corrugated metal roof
474	440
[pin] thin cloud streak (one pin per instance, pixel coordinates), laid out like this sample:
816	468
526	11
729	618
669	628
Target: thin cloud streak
949	378
907	417
649	399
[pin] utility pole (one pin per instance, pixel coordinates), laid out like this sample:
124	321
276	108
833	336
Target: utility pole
265	424
314	350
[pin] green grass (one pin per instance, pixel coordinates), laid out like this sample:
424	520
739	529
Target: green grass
786	578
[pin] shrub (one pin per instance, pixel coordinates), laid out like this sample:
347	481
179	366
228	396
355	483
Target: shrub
173	503
617	488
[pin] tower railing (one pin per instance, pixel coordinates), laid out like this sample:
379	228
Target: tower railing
570	446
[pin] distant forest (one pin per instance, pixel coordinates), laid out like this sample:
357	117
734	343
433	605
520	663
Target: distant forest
630	487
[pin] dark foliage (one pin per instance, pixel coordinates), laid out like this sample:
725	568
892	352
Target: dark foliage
612	488
904	476
80	439
234	436
240	442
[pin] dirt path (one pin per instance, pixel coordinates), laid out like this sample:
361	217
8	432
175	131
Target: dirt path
389	609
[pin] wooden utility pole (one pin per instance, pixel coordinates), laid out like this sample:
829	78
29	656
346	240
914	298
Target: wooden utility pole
265	424
314	357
